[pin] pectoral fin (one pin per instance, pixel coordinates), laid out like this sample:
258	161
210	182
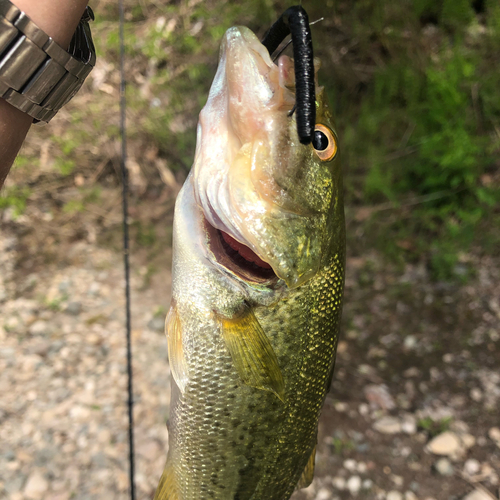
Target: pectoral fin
167	488
176	357
308	474
252	353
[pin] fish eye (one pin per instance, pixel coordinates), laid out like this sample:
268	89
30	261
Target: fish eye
324	143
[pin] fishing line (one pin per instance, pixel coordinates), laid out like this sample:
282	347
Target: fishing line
290	41
126	260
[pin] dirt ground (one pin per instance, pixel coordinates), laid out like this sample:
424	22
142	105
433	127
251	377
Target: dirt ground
418	360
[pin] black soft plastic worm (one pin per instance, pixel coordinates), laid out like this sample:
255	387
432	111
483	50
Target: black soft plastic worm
294	21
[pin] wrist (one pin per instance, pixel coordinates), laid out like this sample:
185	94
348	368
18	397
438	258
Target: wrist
57	18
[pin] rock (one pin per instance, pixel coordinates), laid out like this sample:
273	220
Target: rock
410	342
409	425
472	467
341	407
350	464
338	483
397	480
476	394
446	443
39	327
364	409
388	425
367	484
36	486
157	324
412	372
477	495
468	441
443	466
362	468
14	484
354	484
494	435
323	494
394	495
73	308
378	396
409	495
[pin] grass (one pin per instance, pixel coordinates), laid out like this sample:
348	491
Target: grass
434	427
414	86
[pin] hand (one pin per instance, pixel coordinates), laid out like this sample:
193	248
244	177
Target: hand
59	19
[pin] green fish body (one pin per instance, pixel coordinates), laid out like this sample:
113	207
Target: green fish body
258	276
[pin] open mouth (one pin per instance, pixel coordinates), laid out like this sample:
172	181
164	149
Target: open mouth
238	258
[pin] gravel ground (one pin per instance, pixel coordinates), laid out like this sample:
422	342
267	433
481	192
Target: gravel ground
413	412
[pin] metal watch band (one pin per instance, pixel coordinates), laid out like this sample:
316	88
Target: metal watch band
38	76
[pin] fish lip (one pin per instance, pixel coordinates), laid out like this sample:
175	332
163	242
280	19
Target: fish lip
218	254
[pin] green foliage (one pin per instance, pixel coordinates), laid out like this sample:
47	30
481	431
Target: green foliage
341	445
16	198
434	427
426	134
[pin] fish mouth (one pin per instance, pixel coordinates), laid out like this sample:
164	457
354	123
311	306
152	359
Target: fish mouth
237	258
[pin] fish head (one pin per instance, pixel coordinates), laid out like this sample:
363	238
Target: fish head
275	202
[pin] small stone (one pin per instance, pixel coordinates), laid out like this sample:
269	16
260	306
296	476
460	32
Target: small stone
472	466
354	484
409	495
494	435
36	486
73	308
59	496
409	425
397	480
341	407
468	441
157	324
362	468
476	394
378	396
350	464
443	466
412	372
323	494
338	483
477	495
394	495
39	327
364	409
410	342
482	441
446	443
388	425
367	484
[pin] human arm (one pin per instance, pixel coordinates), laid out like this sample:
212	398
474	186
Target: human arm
58	19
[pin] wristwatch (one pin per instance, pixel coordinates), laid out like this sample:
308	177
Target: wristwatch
37	75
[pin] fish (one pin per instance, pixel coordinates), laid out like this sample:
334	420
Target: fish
257	286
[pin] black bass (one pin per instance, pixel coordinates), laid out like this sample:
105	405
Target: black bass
258	276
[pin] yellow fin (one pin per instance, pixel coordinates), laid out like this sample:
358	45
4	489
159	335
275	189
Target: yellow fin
176	357
252	353
167	488
308	474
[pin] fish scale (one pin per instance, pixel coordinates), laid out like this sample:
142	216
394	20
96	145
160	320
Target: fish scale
252	354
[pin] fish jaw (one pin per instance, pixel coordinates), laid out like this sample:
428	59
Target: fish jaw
248	155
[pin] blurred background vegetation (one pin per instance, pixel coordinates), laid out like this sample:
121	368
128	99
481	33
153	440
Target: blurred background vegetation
415	86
